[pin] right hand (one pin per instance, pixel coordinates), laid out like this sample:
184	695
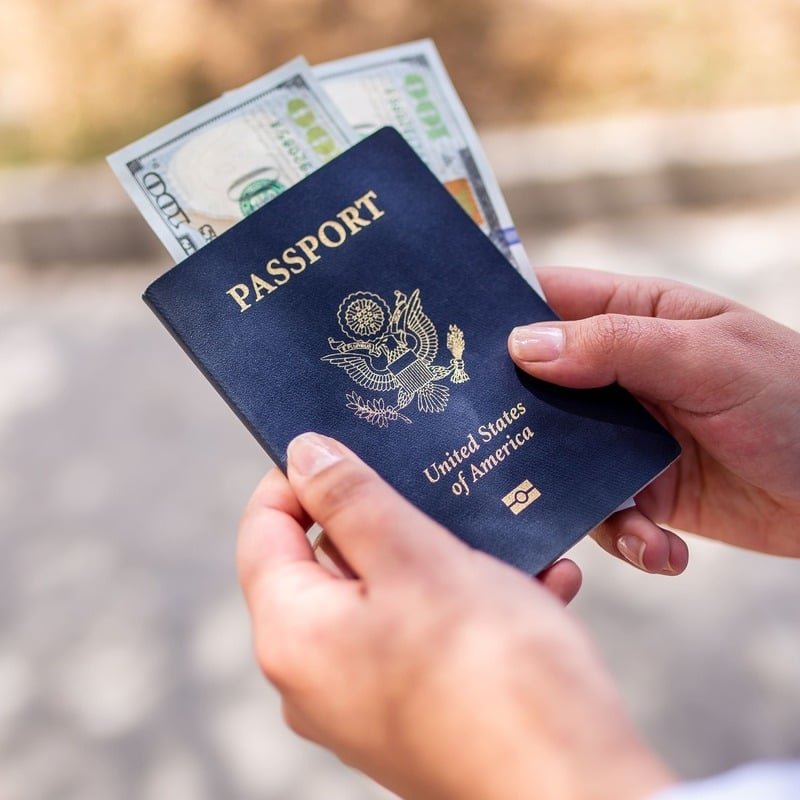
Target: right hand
459	683
723	379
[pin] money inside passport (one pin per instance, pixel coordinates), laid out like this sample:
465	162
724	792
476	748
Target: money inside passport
365	304
196	177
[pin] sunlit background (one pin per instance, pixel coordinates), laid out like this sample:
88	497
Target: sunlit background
650	137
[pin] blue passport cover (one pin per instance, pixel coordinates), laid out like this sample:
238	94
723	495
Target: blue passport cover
363	303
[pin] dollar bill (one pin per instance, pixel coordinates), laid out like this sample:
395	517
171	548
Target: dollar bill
408	87
202	173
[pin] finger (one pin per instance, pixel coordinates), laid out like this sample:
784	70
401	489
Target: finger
636	352
273	490
330	558
271	532
376	530
579	293
563	579
633	537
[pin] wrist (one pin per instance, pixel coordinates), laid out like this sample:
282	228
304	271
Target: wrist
637	775
592	765
603	757
621	770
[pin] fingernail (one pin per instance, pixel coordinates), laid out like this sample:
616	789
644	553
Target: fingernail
632	548
537	343
310	453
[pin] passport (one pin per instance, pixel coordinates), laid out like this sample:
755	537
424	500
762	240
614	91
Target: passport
364	303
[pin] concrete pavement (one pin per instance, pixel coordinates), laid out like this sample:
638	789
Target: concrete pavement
125	663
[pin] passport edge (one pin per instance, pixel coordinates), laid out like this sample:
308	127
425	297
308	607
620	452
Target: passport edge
153	304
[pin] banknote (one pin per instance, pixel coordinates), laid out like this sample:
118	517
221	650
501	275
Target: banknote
408	88
199	175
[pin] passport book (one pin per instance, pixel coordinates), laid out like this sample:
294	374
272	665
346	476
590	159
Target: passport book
363	303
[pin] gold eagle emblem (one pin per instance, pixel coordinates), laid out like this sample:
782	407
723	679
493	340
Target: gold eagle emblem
394	350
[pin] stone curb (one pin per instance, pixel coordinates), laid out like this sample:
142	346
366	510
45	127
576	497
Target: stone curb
551	175
74	215
561	174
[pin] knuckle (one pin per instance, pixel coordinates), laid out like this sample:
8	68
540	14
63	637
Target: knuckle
742	329
605	536
291	643
279	657
295	721
614	331
272	660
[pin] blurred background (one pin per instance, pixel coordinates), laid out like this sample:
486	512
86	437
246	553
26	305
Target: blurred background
650	137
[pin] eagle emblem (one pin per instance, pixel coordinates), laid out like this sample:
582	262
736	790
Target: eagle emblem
394	350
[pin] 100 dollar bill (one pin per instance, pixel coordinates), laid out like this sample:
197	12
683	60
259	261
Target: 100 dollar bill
202	173
408	88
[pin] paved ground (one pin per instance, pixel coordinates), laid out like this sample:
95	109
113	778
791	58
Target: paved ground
125	667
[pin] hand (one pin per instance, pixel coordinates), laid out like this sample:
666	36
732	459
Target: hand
722	378
439	671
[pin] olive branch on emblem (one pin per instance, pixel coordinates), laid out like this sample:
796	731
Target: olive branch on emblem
375	410
394	349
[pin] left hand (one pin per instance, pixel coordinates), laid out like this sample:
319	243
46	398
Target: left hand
437	670
720	377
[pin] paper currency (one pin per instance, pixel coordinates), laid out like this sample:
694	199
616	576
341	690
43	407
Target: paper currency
202	173
408	87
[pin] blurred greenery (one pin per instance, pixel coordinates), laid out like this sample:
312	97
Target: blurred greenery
79	78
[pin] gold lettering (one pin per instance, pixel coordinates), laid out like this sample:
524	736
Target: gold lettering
278	271
527	434
239	293
489	463
309	245
325	239
366	200
261	286
432	473
298	256
351	218
290	256
500	424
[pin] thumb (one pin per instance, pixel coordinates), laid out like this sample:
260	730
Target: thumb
653	358
376	530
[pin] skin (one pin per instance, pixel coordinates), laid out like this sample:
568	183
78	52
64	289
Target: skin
474	682
465	683
722	378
